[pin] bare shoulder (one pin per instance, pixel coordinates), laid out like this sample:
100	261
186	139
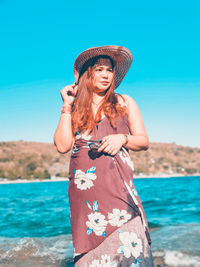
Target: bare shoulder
123	99
128	101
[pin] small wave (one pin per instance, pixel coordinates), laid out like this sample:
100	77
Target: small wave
179	237
175	259
41	252
57	252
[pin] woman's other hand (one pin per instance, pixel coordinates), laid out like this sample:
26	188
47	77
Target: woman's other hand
68	94
112	143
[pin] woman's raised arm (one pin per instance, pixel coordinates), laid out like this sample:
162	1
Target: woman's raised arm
63	137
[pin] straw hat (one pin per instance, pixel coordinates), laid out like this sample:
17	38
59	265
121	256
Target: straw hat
120	55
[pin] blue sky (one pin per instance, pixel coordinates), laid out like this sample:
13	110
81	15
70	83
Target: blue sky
40	41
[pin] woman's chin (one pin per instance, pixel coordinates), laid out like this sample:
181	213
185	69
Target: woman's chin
103	87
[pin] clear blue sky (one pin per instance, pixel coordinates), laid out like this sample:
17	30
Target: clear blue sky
39	41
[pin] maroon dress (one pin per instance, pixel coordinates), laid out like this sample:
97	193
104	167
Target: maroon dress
108	222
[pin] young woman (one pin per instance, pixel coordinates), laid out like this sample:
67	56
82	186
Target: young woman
108	222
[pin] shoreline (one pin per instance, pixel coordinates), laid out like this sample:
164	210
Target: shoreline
64	179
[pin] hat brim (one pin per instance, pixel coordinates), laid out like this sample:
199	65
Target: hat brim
121	56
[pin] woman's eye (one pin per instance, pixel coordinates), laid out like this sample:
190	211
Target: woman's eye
110	70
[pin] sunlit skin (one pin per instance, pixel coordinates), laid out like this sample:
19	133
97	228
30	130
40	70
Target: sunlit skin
102	76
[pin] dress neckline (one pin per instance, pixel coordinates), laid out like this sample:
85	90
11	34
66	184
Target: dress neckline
126	115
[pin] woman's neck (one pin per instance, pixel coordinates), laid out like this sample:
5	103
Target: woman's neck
97	99
96	102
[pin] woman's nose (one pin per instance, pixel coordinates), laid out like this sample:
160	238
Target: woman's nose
105	74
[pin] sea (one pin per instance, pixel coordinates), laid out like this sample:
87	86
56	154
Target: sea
35	222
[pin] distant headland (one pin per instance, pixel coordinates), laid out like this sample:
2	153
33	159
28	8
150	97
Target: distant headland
25	160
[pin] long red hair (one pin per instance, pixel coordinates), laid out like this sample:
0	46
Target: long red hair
82	115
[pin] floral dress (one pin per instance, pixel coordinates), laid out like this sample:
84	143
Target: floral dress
108	222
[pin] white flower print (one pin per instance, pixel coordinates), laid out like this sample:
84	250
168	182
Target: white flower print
83	136
84	180
135	192
95	263
106	262
131	193
132	245
126	158
105	259
97	223
118	217
133	188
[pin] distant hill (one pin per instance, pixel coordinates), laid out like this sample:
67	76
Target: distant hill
29	160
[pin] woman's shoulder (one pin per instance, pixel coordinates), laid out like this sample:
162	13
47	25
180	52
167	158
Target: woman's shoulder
126	100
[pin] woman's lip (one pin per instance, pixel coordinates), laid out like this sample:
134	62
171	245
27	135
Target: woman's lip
105	82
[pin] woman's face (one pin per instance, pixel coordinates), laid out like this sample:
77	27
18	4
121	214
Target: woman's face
102	75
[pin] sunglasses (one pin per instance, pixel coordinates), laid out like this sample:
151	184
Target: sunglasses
94	147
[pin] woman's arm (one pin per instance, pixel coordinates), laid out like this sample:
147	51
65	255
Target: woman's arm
63	137
138	140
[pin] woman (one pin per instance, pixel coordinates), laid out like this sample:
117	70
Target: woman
108	222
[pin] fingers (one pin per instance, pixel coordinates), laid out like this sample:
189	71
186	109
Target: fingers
70	90
108	149
110	144
104	144
75	90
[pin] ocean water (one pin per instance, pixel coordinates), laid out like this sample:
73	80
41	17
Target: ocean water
35	222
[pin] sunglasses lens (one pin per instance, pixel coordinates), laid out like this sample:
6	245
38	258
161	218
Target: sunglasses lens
94	147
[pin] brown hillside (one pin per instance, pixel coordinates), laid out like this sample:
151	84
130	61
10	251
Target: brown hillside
21	159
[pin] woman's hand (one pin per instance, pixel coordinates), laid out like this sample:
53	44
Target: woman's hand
68	94
112	143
